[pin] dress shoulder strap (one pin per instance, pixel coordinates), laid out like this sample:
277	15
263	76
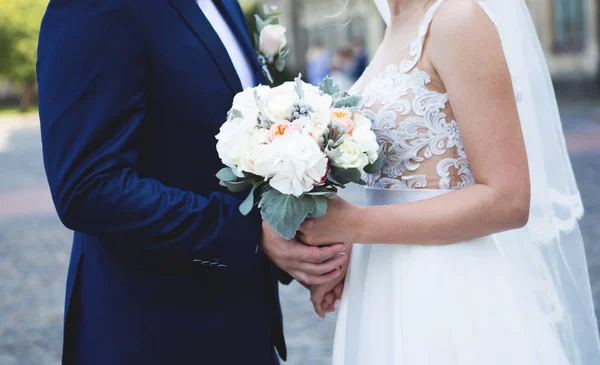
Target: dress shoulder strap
417	44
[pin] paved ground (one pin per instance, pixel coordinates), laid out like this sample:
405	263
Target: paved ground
34	248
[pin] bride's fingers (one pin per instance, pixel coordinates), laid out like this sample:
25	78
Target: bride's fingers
338	290
329	299
317	299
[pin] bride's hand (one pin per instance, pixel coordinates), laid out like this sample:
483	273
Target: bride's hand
340	224
324	297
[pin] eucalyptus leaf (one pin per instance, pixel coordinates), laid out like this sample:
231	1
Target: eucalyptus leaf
236	113
284	52
375	166
345	176
320	207
260	24
248	203
226	174
328	87
280	64
347	102
285	213
326	194
238	186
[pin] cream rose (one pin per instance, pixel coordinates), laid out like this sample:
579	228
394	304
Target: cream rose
272	40
349	155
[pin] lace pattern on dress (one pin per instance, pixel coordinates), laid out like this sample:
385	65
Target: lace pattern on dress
412	123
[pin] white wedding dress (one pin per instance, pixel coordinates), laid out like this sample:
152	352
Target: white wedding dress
467	303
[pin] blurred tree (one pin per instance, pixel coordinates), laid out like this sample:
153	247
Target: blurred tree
19	29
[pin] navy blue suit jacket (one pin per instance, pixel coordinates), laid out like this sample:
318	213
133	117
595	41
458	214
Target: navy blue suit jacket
164	268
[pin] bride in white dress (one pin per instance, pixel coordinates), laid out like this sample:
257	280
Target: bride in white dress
470	251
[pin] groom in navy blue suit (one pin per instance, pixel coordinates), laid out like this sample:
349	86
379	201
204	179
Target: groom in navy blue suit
164	269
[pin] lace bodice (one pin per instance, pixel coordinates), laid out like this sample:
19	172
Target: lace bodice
415	124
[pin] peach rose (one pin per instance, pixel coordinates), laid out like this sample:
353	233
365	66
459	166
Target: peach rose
343	119
280	129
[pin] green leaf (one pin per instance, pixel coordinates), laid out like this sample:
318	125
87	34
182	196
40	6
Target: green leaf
326	194
280	63
260	23
256	40
285	213
235	113
320	207
375	166
284	52
248	203
237	186
347	102
328	87
226	174
344	176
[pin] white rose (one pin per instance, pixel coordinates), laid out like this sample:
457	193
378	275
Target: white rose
294	163
245	102
281	99
367	140
272	40
254	149
233	142
349	155
360	121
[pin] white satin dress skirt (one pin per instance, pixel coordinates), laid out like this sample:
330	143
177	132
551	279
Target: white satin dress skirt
457	304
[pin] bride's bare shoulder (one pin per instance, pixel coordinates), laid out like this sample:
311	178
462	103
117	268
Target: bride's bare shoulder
462	26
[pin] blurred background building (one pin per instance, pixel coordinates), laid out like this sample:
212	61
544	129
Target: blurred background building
568	30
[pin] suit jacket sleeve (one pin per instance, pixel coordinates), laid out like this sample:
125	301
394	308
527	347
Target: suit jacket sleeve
92	71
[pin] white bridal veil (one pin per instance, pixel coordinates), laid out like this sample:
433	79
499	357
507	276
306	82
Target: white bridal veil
549	250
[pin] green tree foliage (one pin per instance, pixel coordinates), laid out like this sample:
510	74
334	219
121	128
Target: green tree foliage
19	29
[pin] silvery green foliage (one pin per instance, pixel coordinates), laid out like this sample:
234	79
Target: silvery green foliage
285	213
351	101
298	86
328	87
264	121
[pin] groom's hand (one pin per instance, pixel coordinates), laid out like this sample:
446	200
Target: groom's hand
309	265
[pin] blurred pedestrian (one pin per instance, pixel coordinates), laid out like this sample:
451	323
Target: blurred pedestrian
361	58
342	68
318	63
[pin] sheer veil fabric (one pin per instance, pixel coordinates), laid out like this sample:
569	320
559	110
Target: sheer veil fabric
548	254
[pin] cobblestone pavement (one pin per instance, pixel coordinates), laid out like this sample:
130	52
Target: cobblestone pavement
34	249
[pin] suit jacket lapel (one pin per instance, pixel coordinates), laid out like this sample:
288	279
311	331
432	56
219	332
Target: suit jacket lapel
229	9
198	23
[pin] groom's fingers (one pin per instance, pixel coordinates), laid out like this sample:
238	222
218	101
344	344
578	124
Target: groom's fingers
318	255
324	267
317	279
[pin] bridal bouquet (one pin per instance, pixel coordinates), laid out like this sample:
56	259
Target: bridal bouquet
293	146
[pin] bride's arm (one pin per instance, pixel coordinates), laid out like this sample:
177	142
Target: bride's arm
465	50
